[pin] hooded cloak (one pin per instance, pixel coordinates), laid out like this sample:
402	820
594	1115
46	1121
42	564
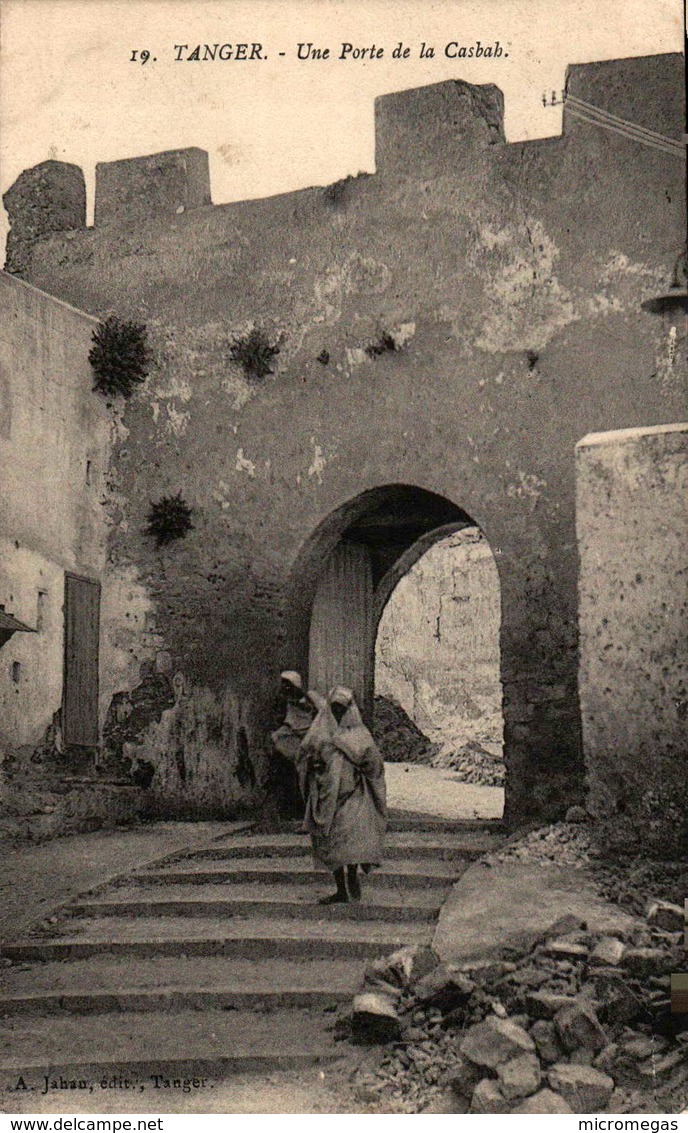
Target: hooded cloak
344	784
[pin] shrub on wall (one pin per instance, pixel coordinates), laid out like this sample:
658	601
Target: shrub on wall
169	519
120	357
254	353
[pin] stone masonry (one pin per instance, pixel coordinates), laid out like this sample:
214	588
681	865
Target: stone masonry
448	328
632	491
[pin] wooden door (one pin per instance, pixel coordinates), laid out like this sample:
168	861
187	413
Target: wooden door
341	636
80	679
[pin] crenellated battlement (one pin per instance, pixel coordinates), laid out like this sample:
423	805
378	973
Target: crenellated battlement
419	133
50	197
161	184
433	127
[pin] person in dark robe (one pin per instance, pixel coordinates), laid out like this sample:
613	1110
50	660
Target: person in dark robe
286	740
344	784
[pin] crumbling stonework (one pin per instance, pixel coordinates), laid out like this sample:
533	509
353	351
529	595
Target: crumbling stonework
632	519
197	755
51	197
448	330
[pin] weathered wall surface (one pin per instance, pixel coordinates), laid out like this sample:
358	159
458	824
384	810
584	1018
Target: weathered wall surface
438	643
632	520
59	503
55	439
511	277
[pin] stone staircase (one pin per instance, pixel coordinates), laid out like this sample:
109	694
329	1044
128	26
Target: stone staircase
218	960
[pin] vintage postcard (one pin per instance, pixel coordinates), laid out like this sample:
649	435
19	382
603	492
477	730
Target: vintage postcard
343	603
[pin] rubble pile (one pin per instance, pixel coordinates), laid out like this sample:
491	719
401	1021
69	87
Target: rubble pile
474	762
630	883
567	1022
564	843
396	735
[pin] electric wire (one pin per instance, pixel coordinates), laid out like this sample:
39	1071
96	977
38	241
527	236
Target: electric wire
595	117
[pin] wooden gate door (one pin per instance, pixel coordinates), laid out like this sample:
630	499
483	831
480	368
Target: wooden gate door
80	679
341	647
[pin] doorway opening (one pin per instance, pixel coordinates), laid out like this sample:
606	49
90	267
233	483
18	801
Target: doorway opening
351	570
438	693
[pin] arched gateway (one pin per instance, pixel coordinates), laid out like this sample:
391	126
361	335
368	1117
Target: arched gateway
347	571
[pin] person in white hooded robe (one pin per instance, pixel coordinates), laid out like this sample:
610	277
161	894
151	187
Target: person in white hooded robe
344	785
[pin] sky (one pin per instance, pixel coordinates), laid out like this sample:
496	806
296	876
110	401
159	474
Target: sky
69	89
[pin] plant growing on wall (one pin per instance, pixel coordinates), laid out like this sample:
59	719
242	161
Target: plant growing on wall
120	357
169	519
254	353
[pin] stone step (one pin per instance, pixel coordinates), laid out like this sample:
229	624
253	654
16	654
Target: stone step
400	845
251	937
404	820
264	900
173	1000
296	871
137	1046
173	983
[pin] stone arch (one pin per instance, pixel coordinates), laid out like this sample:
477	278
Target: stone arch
361	549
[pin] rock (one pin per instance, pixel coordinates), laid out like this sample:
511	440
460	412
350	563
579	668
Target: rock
665	915
546	1004
576	814
546	1101
561	948
544	1035
446	1102
487	971
455	1019
529	977
464	1077
519	1077
636	1056
373	984
639	1047
488	1098
423	960
606	1059
402	968
607	952
581	1057
495	1041
645	962
444	988
578	1026
521	943
617	1003
566	925
658	1067
375	1018
585	1089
